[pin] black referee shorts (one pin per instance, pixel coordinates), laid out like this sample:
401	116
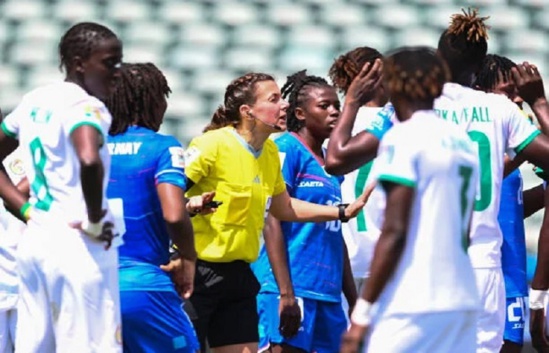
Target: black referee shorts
223	307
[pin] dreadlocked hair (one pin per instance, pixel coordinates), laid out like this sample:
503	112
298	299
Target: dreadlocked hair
416	73
464	43
492	66
295	92
80	40
141	90
347	66
239	92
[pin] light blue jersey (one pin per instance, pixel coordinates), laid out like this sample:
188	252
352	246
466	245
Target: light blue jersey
315	249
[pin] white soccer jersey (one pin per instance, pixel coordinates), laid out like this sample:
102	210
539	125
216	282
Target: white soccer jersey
497	126
43	123
359	237
11	230
440	162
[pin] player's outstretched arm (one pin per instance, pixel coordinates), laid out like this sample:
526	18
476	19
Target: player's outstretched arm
346	152
387	254
290	209
180	230
540	285
290	314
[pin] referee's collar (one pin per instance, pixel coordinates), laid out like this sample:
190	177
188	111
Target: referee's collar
253	151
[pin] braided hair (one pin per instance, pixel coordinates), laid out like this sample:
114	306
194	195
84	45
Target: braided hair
492	65
464	44
80	40
295	92
416	73
347	66
141	90
239	92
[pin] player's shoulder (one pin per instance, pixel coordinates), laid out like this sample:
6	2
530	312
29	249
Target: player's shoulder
285	142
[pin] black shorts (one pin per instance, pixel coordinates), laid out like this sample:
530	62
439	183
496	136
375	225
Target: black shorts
223	307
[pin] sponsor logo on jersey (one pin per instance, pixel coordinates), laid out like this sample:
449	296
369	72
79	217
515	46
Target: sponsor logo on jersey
178	157
124	148
311	184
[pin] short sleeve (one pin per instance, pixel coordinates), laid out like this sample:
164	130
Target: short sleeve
10	124
287	163
521	131
89	113
397	161
381	122
170	168
199	157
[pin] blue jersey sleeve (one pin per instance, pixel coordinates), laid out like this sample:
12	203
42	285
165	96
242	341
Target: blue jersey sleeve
171	165
287	161
382	122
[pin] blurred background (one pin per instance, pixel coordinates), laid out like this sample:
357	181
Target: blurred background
201	45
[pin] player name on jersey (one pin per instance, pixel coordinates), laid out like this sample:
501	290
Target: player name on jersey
479	114
124	148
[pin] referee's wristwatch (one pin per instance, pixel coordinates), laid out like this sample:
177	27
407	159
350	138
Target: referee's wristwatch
342	207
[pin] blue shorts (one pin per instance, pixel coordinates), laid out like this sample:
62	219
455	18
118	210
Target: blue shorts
322	324
154	321
514	320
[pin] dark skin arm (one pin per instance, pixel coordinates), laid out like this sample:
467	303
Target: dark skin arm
349	287
290	315
511	164
387	254
533	200
537	151
541	282
530	88
180	230
345	152
13	198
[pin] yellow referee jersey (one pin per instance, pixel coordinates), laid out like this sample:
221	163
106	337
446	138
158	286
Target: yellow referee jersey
244	181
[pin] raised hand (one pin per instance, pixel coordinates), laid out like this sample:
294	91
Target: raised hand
529	82
364	86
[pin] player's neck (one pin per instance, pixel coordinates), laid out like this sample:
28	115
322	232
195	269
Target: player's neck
313	142
405	111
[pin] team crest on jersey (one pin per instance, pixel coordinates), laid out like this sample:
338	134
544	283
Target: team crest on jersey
178	157
16	167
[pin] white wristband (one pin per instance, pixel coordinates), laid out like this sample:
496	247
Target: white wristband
536	299
92	229
361	313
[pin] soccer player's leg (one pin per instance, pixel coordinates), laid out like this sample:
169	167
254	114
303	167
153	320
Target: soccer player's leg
34	327
513	335
330	324
154	321
491	318
269	322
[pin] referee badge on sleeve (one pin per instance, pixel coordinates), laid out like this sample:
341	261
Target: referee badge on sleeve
191	154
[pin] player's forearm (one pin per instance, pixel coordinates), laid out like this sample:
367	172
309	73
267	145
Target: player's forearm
182	235
278	257
12	197
541	110
345	152
302	211
533	200
91	177
349	288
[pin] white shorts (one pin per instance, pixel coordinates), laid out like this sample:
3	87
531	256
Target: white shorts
8	322
442	332
491	318
69	299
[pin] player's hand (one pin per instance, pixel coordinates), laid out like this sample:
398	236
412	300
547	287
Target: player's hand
102	231
354	208
182	273
365	84
198	205
529	82
290	317
352	339
537	330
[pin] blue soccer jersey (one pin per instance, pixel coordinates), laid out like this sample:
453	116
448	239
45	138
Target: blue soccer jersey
315	250
513	249
142	159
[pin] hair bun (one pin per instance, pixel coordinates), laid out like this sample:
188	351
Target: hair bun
469	23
